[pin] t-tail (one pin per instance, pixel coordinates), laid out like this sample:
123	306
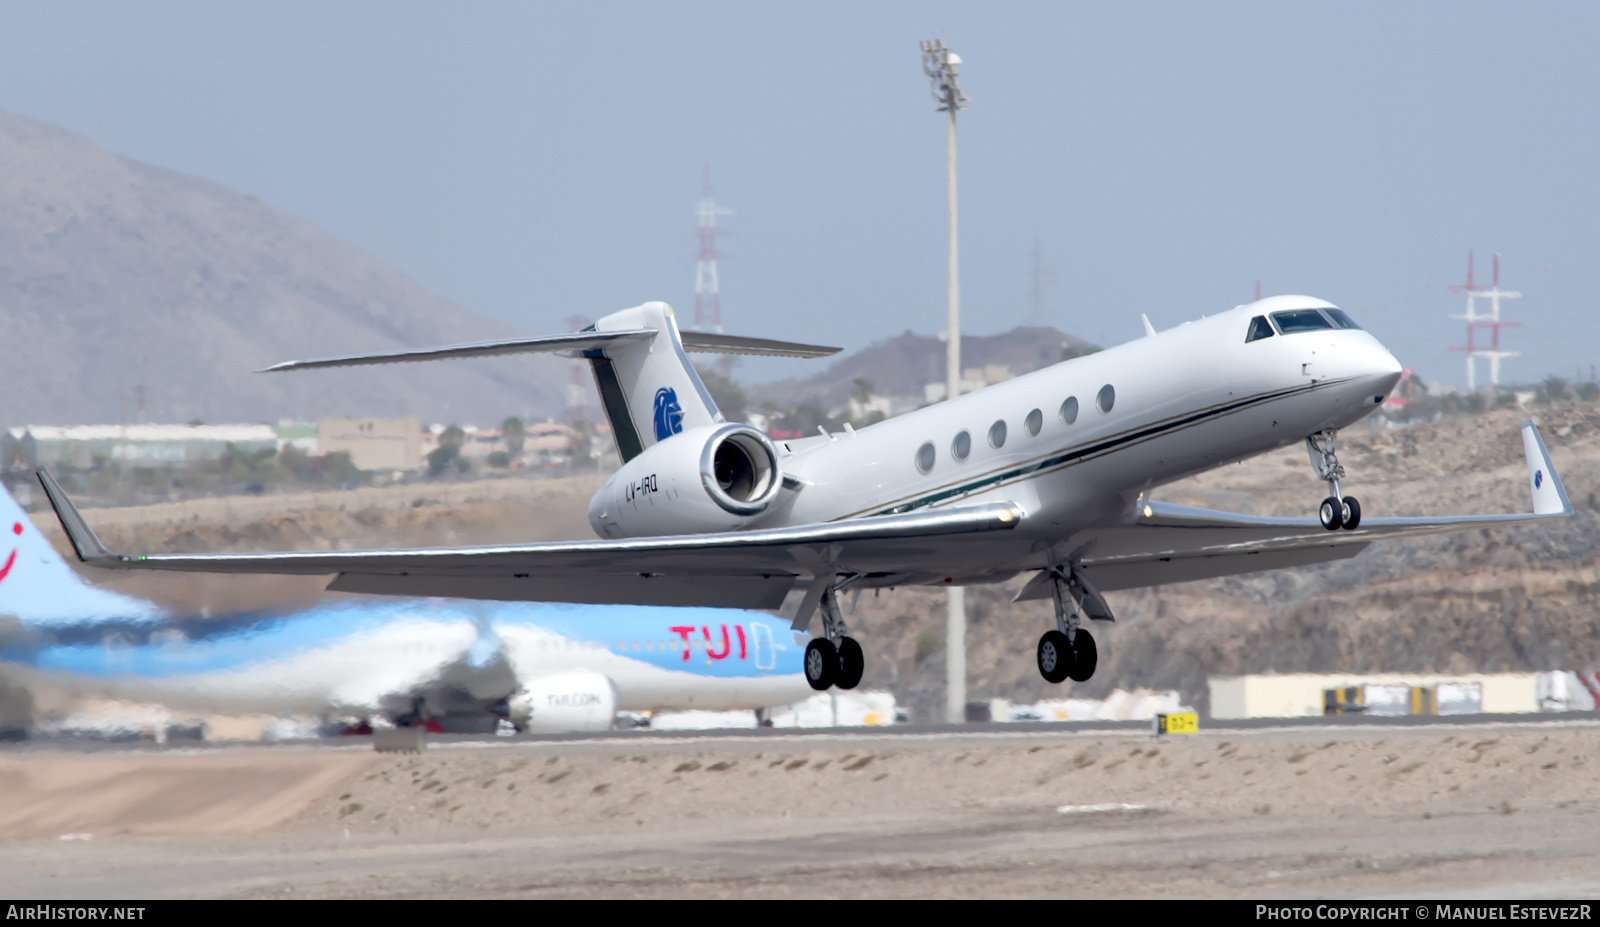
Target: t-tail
649	389
640	359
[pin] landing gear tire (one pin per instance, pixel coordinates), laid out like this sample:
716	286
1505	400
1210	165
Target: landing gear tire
822	663
1352	513
1085	655
851	664
1331	513
1055	656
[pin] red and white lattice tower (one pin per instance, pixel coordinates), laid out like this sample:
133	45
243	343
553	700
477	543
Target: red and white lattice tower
707	287
1490	322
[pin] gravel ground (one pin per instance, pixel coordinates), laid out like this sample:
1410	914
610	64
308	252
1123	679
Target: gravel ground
1461	811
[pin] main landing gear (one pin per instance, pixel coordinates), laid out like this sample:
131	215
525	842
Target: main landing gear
1068	651
1335	512
834	659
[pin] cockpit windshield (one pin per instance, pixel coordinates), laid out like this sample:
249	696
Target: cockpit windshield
1342	319
1259	329
1300	320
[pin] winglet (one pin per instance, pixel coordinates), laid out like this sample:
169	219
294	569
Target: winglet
1148	328
84	542
1549	496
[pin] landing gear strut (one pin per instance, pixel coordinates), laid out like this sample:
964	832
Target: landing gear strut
1335	512
834	659
1067	651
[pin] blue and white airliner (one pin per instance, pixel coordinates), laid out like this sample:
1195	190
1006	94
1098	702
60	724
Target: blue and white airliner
448	664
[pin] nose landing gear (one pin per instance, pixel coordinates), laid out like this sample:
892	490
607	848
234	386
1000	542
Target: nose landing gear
1068	651
1335	512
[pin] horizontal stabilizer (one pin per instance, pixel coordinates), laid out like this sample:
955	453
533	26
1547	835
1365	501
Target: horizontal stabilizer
544	344
718	343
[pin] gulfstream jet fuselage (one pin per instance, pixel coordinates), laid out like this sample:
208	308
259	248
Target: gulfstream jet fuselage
1050	473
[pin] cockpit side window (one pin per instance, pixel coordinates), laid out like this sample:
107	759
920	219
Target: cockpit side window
1259	329
1342	319
1300	320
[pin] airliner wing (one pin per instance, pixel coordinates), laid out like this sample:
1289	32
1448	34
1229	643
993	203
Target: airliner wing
1176	543
747	569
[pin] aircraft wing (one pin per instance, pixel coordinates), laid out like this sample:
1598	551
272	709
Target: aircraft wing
1176	543
746	569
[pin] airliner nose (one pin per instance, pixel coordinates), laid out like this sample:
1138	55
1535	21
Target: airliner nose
1382	368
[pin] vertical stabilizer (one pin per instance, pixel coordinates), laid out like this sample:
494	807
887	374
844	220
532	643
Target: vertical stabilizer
649	389
37	586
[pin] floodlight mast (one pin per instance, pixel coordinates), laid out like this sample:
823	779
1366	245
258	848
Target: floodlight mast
942	67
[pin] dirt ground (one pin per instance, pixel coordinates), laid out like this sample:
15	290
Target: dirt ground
1459	811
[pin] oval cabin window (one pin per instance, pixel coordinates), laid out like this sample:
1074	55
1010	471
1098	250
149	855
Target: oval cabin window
1106	399
1033	423
997	434
1069	410
925	457
961	446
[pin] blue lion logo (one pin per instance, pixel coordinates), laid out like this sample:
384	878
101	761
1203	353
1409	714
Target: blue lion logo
669	415
1538	479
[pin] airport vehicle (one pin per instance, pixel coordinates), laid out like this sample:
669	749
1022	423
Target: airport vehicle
451	665
1050	473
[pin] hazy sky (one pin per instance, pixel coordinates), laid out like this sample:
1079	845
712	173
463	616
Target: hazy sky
534	161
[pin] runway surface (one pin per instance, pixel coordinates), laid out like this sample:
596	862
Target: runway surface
1445	809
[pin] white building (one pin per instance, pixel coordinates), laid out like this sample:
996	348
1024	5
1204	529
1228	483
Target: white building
79	445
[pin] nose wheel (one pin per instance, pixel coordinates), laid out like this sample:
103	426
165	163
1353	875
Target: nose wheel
1335	512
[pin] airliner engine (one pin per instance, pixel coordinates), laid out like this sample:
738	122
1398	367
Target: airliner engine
713	478
578	700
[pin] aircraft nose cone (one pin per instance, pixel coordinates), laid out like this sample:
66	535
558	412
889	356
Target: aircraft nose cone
1383	370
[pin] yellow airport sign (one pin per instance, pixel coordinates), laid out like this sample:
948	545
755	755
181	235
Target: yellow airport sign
1178	722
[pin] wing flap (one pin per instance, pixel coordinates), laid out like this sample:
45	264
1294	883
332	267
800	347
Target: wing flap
748	591
1110	577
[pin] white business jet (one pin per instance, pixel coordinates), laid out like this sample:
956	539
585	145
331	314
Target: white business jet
1049	473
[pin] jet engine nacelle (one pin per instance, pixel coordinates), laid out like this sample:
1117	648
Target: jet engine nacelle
712	478
577	700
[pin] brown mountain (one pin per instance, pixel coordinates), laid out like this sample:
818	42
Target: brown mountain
115	275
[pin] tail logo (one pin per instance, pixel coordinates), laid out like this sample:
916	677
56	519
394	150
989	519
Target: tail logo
11	561
1538	479
669	415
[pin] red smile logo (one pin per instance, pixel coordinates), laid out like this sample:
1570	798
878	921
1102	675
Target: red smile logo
11	560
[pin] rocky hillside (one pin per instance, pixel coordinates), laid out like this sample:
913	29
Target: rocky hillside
116	274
